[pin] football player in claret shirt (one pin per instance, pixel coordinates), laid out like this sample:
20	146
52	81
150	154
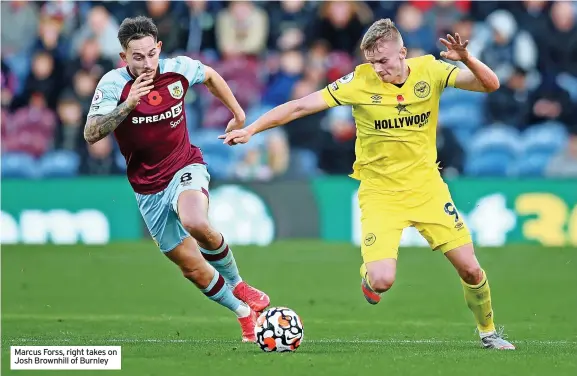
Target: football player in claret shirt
395	103
142	104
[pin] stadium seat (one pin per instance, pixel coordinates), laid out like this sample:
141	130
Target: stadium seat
452	97
463	115
59	164
532	164
494	164
548	138
217	156
499	139
119	160
19	165
303	163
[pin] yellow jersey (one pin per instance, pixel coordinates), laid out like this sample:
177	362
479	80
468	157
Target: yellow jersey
396	146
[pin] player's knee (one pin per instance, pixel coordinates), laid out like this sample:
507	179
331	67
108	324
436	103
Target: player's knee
197	274
197	226
381	282
472	274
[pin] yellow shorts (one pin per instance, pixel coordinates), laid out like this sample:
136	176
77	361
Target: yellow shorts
429	209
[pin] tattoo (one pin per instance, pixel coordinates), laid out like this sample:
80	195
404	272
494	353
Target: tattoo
100	126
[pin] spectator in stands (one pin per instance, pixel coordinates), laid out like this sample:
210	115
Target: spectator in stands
201	28
510	104
281	82
561	42
241	29
99	159
50	47
90	60
268	158
70	130
317	63
532	16
450	154
477	33
18	27
50	39
289	22
564	165
65	12
305	133
417	36
341	24
509	46
442	16
337	153
9	82
42	79
31	128
102	26
169	29
84	84
551	102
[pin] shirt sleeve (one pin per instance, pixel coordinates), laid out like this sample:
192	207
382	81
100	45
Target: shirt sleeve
341	92
107	94
193	70
444	74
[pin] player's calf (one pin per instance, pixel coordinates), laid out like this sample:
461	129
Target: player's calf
210	282
377	277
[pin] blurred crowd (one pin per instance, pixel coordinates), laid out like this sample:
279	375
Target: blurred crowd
54	53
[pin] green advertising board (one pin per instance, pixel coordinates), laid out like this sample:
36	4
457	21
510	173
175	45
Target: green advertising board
498	211
69	211
100	210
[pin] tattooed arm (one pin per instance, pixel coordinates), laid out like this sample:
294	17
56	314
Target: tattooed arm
99	126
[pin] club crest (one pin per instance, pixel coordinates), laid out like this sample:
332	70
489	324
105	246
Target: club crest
176	90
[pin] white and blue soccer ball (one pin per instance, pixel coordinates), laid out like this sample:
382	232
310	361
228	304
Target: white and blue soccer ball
279	329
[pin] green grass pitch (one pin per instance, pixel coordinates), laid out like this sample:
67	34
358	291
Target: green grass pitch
130	295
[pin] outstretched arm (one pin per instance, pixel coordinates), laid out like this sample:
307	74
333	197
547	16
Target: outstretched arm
280	115
220	89
478	76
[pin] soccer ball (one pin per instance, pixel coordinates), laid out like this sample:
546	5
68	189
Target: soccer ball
279	329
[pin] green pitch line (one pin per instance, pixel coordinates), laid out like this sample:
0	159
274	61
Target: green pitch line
129	295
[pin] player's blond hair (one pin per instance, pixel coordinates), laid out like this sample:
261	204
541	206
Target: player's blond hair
381	30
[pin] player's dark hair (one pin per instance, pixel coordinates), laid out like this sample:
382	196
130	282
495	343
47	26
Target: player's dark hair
136	28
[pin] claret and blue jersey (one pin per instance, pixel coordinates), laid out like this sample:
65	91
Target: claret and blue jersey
153	138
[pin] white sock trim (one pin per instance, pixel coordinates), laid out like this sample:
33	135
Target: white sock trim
243	310
486	334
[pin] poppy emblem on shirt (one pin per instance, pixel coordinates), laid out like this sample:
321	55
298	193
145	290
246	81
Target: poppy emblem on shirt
176	90
400	98
154	98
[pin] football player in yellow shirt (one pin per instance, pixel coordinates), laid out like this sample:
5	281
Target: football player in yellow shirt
395	103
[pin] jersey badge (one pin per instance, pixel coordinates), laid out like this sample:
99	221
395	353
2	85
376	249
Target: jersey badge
348	78
422	89
97	97
376	98
176	90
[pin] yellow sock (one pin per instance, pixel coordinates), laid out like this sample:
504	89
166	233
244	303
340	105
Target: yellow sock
365	275
478	298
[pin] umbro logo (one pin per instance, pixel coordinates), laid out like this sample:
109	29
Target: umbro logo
376	98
